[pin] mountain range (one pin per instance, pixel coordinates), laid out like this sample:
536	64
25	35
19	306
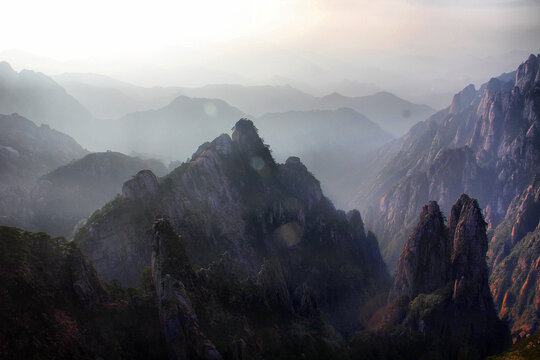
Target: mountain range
39	98
486	144
239	252
109	98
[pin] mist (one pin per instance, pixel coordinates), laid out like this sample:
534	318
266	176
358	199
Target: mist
422	51
270	179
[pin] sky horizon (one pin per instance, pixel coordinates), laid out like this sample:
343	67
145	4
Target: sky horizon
413	47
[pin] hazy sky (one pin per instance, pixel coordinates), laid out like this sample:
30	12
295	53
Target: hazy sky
238	40
66	29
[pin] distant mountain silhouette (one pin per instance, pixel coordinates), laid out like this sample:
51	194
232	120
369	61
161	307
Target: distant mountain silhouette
40	99
392	113
174	130
28	151
329	142
109	98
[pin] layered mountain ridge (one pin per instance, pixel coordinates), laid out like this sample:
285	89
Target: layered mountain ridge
40	99
28	151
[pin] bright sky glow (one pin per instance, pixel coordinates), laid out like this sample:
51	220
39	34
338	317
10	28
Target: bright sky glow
201	41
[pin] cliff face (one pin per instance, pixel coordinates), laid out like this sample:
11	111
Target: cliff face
273	219
440	295
213	313
424	265
485	144
514	258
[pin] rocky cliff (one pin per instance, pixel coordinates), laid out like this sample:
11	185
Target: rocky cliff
272	219
514	257
485	144
440	301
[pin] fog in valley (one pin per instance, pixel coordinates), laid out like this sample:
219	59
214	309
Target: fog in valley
276	179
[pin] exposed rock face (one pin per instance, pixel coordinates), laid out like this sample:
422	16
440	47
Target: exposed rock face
178	319
143	184
515	260
441	293
272	219
212	313
487	144
424	265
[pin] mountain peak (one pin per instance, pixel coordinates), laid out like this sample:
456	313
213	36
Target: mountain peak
244	128
528	73
246	138
462	99
442	292
424	263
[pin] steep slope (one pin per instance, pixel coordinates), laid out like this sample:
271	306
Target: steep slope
176	129
212	313
329	142
52	305
40	99
28	151
514	256
440	300
273	219
487	143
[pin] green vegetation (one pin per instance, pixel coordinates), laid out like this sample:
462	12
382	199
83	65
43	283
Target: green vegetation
524	349
53	306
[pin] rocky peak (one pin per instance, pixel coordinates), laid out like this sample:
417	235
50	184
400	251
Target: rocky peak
436	254
528	73
467	230
440	292
357	225
178	318
463	99
424	265
296	177
143	185
221	145
246	139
